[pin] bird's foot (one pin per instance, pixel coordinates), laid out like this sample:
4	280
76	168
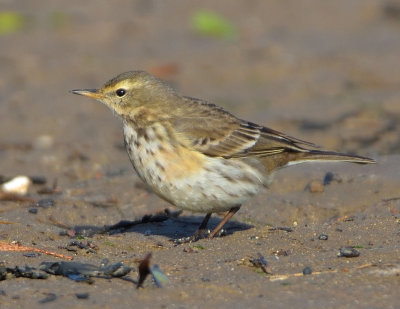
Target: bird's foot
198	235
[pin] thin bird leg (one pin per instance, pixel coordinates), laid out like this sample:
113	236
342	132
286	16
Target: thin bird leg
200	231
203	224
229	215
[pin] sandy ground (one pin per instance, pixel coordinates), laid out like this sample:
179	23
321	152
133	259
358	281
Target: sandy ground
322	71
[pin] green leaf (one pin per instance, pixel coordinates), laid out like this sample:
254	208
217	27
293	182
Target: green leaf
211	24
198	247
11	22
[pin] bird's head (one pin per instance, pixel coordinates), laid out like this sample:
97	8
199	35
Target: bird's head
129	91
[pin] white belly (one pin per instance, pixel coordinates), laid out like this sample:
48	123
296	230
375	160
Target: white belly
188	179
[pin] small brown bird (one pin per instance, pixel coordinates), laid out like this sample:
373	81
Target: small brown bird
194	154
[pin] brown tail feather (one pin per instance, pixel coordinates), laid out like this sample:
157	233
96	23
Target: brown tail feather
317	155
280	160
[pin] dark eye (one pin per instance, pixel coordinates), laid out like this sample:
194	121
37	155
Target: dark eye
120	92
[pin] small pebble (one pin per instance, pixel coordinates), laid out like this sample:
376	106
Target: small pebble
70	233
46	203
328	178
82	295
281	253
307	271
33	210
316	186
348	252
30	255
261	262
323	237
17	185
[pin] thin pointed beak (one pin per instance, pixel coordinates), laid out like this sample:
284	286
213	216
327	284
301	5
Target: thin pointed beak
91	93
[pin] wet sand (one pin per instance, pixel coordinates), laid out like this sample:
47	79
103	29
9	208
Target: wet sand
323	72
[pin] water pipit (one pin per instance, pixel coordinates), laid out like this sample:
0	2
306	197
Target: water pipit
194	154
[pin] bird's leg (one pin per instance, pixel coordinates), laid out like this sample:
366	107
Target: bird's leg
229	215
203	224
201	230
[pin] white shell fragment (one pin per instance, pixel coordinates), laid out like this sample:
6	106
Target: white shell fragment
17	185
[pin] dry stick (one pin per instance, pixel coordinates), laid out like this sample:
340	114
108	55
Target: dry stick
7	222
16	247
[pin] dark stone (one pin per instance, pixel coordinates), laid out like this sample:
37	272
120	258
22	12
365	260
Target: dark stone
323	237
348	252
82	295
46	203
307	271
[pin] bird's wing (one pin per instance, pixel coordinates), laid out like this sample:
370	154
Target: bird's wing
215	132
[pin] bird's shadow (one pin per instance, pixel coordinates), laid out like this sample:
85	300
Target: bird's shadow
159	224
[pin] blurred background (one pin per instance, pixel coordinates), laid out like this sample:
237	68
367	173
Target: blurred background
324	71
